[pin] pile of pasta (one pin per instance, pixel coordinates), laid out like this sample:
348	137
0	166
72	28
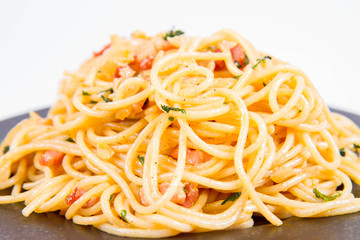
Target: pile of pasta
156	136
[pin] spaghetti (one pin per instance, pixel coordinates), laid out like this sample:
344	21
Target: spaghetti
155	136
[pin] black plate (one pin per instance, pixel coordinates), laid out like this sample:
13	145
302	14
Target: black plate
13	225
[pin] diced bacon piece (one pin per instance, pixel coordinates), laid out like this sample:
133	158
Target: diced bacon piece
92	201
192	194
137	107
146	63
238	54
193	156
161	45
96	54
186	195
219	64
166	46
51	158
125	72
142	197
179	196
75	195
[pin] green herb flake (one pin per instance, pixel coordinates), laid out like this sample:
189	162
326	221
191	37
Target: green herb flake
93	102
237	64
324	197
261	60
141	159
357	147
146	101
185	190
264	84
173	33
299	111
105	99
246	62
111	197
6	149
171	119
123	215
212	48
110	90
168	109
237	77
342	152
232	197
84	93
69	139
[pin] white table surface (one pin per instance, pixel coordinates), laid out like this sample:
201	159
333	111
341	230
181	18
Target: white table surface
41	39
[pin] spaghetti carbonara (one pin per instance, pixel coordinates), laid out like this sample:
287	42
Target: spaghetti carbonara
156	136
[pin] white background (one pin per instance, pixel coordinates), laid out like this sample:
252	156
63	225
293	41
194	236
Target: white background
41	39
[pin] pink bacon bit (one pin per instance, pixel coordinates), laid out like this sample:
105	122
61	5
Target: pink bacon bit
179	196
146	63
238	56
192	194
125	72
92	201
219	64
166	46
96	54
51	158
142	197
186	196
76	194
193	156
137	108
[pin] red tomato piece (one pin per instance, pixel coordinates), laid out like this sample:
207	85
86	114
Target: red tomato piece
96	54
51	158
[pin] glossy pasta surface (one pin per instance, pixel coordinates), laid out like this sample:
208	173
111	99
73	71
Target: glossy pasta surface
156	136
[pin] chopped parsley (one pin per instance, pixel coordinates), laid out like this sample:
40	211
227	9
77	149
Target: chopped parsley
264	84
212	48
171	119
324	197
356	149
69	139
299	111
232	197
84	93
110	90
237	77
342	152
173	33
123	215
168	109
146	101
6	149
111	197
261	60
105	99
93	102
185	190
237	64
246	62
141	159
